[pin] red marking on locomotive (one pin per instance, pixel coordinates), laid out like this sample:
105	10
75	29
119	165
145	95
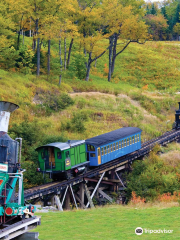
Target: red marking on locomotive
8	211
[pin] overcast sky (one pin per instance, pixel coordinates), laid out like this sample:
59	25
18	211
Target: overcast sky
153	0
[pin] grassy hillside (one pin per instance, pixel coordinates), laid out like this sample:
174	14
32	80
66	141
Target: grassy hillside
111	223
143	93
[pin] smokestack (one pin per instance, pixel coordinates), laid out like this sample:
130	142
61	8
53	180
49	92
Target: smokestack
6	108
179	105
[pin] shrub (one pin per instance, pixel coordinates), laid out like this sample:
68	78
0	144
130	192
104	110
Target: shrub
55	101
77	123
24	59
78	66
153	177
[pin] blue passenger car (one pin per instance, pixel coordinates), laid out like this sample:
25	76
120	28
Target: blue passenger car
112	145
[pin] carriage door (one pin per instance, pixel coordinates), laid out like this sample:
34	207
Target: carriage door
99	156
45	157
51	157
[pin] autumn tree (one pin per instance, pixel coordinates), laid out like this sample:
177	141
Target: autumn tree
20	15
89	26
124	25
176	30
7	33
7	26
157	26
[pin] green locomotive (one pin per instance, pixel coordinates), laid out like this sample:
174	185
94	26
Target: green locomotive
67	158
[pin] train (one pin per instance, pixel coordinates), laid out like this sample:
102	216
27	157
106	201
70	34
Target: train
63	160
11	174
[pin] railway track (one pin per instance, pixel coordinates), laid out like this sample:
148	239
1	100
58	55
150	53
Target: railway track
55	187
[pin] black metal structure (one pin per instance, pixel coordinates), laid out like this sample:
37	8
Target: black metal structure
177	118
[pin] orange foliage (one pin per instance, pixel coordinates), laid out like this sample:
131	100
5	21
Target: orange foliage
167	197
106	70
136	199
145	87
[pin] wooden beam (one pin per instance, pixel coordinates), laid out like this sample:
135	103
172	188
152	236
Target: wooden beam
114	167
105	195
81	194
92	195
58	203
96	180
82	204
88	196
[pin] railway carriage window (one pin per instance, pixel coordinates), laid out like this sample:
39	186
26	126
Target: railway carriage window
102	151
138	137
125	143
98	151
117	146
105	151
108	149
59	156
133	140
114	147
122	143
111	148
43	155
67	154
92	155
128	142
90	148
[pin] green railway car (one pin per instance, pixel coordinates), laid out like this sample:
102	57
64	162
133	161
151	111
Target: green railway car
62	160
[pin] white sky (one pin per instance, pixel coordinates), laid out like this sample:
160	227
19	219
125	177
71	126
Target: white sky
154	0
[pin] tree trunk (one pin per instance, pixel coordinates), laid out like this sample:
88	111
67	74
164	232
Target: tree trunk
88	72
48	60
18	39
38	57
60	76
110	58
88	67
38	48
34	44
65	53
23	36
30	29
114	54
69	53
60	59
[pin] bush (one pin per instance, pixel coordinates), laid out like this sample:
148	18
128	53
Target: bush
24	59
77	123
55	102
153	177
78	66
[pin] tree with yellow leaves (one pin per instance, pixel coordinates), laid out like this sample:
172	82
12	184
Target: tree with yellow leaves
90	24
124	26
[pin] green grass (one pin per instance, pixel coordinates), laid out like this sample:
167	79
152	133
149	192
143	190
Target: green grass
110	223
126	101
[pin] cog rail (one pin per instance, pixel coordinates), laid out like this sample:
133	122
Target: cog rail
19	228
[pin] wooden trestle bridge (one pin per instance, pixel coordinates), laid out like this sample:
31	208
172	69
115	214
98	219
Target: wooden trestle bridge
80	190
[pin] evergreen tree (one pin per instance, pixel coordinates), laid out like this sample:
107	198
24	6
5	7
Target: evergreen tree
153	10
